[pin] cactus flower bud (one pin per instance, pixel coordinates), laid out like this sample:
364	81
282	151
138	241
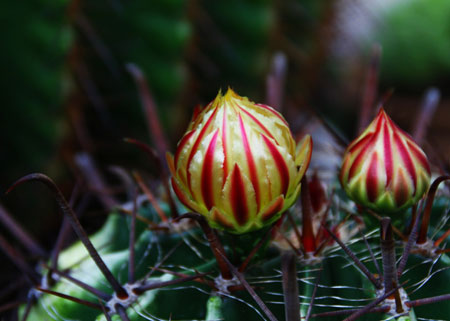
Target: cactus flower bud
384	169
238	165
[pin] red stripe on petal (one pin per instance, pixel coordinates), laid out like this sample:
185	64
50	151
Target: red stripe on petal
238	197
420	156
280	164
372	179
273	209
273	111
224	144
388	161
181	194
362	155
257	122
221	219
357	144
401	192
207	173
181	145
406	157
197	143
250	162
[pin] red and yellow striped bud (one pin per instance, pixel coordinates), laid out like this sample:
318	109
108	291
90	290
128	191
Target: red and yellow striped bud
384	169
238	164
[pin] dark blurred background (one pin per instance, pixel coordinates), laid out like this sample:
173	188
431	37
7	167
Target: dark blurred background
66	89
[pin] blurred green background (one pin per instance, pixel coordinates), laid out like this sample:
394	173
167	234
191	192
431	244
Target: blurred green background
65	88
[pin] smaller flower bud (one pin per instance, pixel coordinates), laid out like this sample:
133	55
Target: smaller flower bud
238	164
384	169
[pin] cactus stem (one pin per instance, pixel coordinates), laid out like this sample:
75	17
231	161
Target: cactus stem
213	241
411	241
155	159
427	211
71	298
290	287
313	296
150	196
26	239
370	88
249	289
73	219
376	282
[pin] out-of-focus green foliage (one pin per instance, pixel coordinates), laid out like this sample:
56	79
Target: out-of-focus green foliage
35	41
231	44
150	34
415	36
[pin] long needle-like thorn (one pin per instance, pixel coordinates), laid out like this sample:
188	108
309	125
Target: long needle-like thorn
157	285
370	306
370	88
19	233
407	250
94	179
255	249
30	302
249	289
275	81
427	211
71	298
428	107
73	220
313	297
372	256
122	312
433	299
164	175
131	266
148	103
213	241
19	261
98	293
376	282
150	196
